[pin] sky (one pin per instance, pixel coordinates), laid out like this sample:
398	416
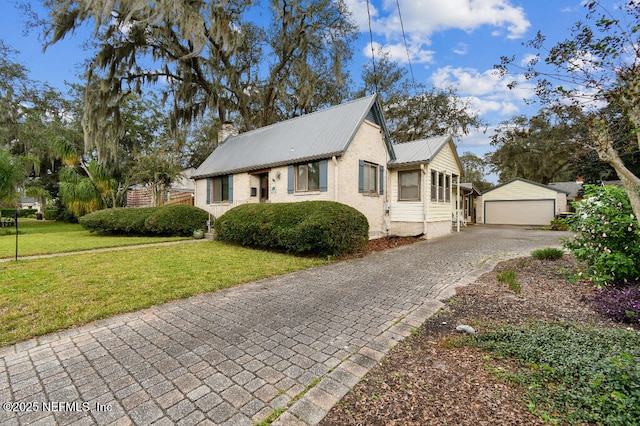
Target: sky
449	43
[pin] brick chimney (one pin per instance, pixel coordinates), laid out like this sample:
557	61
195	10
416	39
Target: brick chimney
226	130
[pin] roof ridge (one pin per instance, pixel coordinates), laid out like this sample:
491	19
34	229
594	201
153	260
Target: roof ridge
289	120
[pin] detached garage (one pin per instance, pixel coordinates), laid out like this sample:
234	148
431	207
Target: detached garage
520	202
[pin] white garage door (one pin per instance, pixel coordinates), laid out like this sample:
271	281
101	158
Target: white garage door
519	212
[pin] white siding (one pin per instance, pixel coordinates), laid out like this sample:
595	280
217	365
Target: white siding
435	217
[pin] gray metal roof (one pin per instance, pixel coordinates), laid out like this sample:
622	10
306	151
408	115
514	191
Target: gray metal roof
418	152
314	136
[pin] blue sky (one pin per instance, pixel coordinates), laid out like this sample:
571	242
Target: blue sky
451	42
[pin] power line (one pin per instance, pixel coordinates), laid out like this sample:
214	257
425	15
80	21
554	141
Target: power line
373	59
406	46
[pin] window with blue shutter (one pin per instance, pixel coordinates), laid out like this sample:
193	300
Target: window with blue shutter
370	178
291	179
308	177
323	176
220	189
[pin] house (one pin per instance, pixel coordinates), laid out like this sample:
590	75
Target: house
468	193
421	185
521	202
574	190
342	154
181	191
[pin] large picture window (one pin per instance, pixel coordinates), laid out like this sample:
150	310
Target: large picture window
308	177
409	185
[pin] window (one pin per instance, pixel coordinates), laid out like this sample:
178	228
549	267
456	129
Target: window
447	189
370	178
219	189
440	186
308	177
409	182
434	186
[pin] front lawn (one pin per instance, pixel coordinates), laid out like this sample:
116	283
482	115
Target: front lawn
46	237
40	296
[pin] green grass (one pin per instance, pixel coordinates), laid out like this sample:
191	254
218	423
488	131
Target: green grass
509	277
549	253
45	237
39	296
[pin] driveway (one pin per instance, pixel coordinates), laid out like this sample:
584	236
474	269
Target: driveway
291	345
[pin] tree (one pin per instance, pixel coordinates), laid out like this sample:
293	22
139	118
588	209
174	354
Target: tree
541	148
213	57
473	170
12	174
413	111
599	64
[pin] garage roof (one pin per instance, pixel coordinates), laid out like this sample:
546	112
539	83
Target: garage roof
526	181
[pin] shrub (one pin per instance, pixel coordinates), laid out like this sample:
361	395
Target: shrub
559	224
571	373
168	220
608	238
549	253
619	303
117	220
176	220
51	214
21	212
315	227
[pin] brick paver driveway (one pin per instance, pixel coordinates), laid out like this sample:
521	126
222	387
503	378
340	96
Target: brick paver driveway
296	342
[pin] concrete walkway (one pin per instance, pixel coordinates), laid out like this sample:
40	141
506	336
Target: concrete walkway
293	344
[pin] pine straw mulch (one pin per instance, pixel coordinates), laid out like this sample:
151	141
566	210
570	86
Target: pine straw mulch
426	380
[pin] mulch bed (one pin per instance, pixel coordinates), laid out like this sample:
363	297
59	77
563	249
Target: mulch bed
426	380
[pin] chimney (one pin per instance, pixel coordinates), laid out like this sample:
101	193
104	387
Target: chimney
580	180
226	130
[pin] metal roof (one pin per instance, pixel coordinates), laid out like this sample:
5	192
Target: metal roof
418	152
310	137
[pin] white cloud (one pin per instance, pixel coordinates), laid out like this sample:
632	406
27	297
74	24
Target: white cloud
486	92
422	18
461	49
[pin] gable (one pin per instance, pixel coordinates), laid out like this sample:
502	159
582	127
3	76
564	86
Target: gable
423	151
520	189
319	135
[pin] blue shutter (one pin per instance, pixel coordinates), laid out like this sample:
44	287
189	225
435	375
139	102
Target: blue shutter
208	190
230	187
381	171
290	180
361	176
323	176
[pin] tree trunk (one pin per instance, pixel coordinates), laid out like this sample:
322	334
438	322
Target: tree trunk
607	153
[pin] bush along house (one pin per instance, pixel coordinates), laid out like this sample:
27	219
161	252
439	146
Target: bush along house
341	154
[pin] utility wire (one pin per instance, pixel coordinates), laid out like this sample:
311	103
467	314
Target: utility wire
373	59
406	46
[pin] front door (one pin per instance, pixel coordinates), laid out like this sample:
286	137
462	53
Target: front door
264	187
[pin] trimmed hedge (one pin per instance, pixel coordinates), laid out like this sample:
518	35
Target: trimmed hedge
174	220
21	212
178	219
307	227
